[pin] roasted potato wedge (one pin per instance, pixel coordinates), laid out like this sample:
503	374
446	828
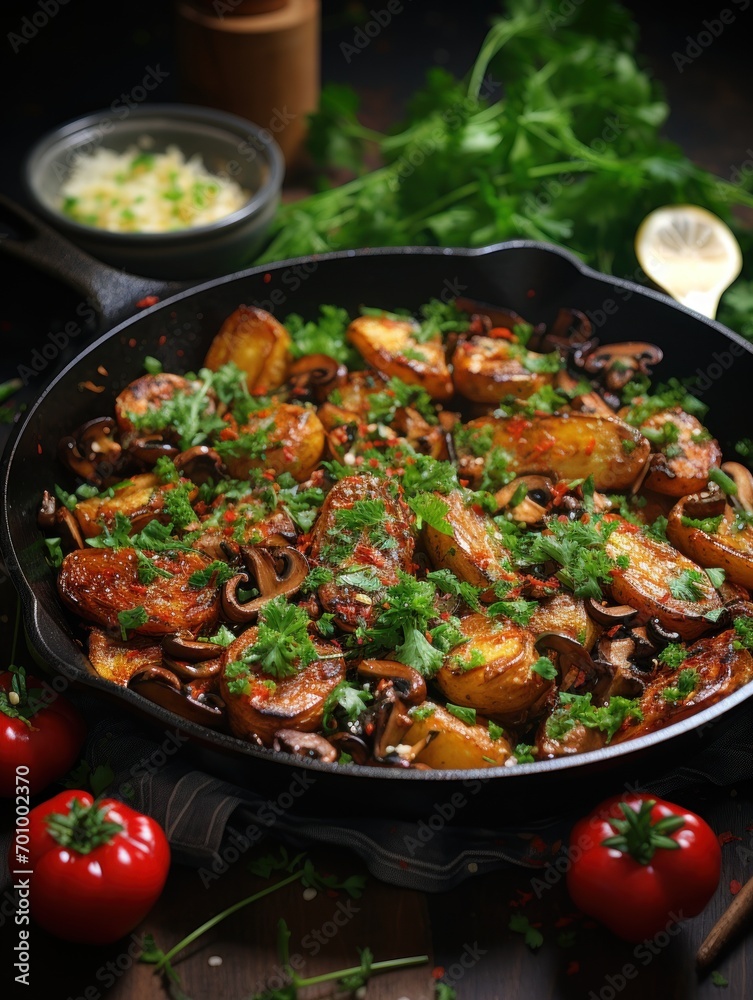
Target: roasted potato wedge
118	661
566	614
570	446
146	396
681	465
98	584
391	347
503	685
295	702
580	739
257	343
728	547
655	568
475	551
456	745
140	501
488	369
372	554
720	669
284	438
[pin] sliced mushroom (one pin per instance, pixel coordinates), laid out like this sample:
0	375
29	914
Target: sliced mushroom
162	687
586	402
314	376
70	533
571	333
534	505
576	667
277	571
744	482
92	451
408	683
47	509
305	745
150	447
618	363
620	678
200	464
618	614
392	722
189	658
351	744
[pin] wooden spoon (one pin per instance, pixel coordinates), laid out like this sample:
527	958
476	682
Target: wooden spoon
690	253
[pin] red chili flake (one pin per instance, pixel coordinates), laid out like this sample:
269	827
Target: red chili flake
163	340
437	972
572	969
374	463
539	845
132	342
268	474
516	425
288	453
463	482
566	920
261	692
530	294
230	516
588	450
525	897
543	446
735	886
726	837
148	300
267	278
369	728
228	434
39	448
501	333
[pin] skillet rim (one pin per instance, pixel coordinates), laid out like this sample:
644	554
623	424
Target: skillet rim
225	742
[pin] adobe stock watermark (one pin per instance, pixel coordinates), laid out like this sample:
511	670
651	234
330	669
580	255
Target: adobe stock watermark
711	29
32	24
56	342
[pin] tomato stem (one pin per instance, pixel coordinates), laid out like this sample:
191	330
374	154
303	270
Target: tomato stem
638	836
83	828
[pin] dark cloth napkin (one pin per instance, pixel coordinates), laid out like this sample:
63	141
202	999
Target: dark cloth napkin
211	823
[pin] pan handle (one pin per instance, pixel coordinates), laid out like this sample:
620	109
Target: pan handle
114	294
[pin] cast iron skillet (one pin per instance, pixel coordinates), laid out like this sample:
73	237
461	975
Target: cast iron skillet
534	279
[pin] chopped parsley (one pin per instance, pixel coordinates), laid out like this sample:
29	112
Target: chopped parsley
348	700
396	395
688	586
522	925
316	578
218	571
544	668
131	619
687	682
466	715
495	732
282	646
744	630
710	525
422	712
577	708
673	655
178	505
431	510
518	610
716	575
578	548
148	571
524	753
448	583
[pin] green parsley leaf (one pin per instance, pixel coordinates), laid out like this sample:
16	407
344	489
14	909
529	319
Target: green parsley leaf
545	668
348	700
152	365
716	575
522	925
431	510
575	708
495	732
687	586
130	619
178	505
717	979
54	552
466	715
687	682
283	645
421	712
316	578
217	570
147	571
524	753
744	629
708	524
673	655
518	610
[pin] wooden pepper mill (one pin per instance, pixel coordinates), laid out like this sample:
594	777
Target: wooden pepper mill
259	59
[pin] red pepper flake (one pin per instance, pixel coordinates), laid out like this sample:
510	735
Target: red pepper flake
369	728
573	968
288	453
531	293
525	897
132	342
163	340
267	278
566	920
726	837
268	474
735	886
588	450
230	516
437	972
501	333
148	300
39	448
547	445
228	434
539	845
516	425
463	482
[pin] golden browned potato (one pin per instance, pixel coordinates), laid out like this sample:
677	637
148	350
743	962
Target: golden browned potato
728	546
475	551
502	685
570	446
284	438
457	744
579	739
355	392
719	669
364	560
147	395
118	661
655	570
257	343
684	452
98	584
141	501
487	369
566	614
390	346
295	702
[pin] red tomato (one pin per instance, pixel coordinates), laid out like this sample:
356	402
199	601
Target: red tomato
98	867
638	863
40	730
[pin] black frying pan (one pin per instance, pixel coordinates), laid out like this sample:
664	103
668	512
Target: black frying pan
532	278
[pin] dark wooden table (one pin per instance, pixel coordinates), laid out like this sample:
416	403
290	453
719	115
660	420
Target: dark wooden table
464	932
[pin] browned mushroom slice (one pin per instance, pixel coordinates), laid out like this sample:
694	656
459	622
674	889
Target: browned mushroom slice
610	615
409	684
571	446
283	438
475	551
200	464
257	343
141	499
454	743
310	745
684	453
488	369
571	333
582	399
295	702
100	585
189	658
491	670
660	582
617	364
621	677
714	669
117	660
314	376
160	686
706	529
577	669
391	346
92	452
275	572
536	501
363	554
743	479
